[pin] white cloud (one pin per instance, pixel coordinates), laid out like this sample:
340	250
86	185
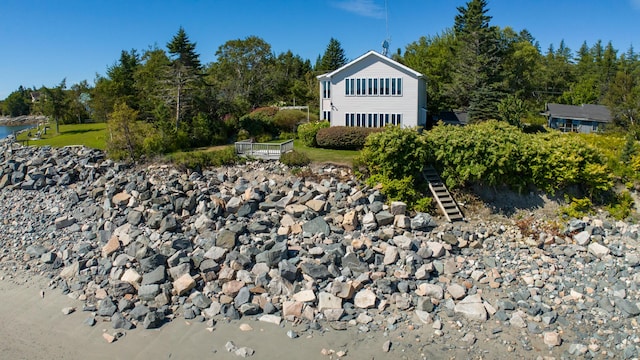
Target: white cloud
366	8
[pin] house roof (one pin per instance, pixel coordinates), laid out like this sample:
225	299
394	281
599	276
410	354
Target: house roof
371	53
454	117
598	113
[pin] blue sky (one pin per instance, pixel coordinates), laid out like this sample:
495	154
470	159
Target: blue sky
44	41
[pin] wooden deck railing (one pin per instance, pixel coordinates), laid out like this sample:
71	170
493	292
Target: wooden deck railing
263	150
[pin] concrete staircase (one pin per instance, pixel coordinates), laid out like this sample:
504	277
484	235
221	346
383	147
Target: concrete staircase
445	201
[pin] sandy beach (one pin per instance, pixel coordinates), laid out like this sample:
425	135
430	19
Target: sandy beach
34	327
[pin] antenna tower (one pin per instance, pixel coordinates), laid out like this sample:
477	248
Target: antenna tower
385	43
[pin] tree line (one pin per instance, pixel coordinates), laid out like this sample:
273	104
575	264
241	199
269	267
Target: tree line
491	72
500	73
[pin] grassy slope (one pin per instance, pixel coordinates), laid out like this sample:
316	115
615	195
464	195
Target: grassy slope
90	135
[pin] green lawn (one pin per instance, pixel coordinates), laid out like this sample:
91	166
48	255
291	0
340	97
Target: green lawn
319	155
344	157
89	135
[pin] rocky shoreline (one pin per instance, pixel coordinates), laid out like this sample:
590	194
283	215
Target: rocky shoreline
142	246
22	120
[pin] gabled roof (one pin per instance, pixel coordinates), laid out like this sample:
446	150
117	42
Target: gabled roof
598	113
371	53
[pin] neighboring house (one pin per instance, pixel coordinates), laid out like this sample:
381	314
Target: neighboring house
373	91
583	118
453	118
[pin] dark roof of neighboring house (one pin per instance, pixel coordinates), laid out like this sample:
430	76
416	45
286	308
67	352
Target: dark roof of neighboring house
454	117
598	113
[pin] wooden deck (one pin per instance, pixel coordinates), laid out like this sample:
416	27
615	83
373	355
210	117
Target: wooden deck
268	151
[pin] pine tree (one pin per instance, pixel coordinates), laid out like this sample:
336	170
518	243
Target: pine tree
183	50
186	72
476	81
333	57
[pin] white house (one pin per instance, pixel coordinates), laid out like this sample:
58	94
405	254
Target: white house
373	91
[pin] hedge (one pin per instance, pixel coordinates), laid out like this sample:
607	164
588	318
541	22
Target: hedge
343	137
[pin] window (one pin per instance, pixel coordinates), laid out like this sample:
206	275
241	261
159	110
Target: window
358	120
370	120
326	89
326	115
371	87
375	120
351	118
346	119
386	116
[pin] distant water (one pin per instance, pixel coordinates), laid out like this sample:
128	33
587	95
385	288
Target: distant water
8	130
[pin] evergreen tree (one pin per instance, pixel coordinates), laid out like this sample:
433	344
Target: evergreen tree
476	76
186	73
333	57
183	50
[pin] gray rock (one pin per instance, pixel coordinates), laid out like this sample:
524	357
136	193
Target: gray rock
156	276
153	320
168	223
226	239
148	292
201	301
422	221
316	271
134	217
627	307
316	225
274	255
582	238
243	297
384	218
139	312
106	307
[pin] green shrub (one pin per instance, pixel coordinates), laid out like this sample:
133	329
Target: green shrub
295	159
622	206
577	208
263	138
487	153
287	135
395	153
555	161
287	120
405	190
197	160
344	137
266	111
307	132
495	153
259	122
